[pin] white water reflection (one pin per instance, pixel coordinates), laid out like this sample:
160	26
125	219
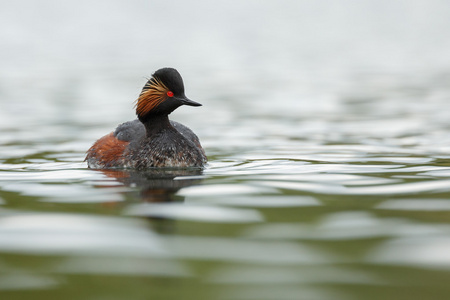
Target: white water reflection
57	193
338	189
195	213
263	275
247	251
347	226
119	266
46	233
260	201
64	234
428	251
219	190
416	204
15	282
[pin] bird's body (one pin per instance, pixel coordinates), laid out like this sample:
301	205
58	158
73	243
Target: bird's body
152	140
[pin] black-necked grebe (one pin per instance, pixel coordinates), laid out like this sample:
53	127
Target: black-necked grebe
152	140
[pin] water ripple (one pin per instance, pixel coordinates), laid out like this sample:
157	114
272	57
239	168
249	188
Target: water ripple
427	251
346	226
44	233
195	213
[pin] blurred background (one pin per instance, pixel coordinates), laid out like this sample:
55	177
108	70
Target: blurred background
326	125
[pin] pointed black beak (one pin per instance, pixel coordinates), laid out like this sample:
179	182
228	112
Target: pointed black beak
186	101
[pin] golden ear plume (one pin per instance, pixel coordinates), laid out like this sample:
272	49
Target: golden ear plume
153	94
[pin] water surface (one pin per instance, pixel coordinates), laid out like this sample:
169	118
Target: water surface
326	128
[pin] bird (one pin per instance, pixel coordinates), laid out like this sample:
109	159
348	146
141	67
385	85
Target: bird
152	140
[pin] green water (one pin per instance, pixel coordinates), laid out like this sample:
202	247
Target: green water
72	233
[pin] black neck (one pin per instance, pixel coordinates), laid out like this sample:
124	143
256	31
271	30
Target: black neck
156	123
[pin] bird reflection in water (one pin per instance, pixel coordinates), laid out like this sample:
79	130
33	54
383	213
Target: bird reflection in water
153	186
157	185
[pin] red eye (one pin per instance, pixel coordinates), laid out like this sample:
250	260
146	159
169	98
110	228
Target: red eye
169	94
